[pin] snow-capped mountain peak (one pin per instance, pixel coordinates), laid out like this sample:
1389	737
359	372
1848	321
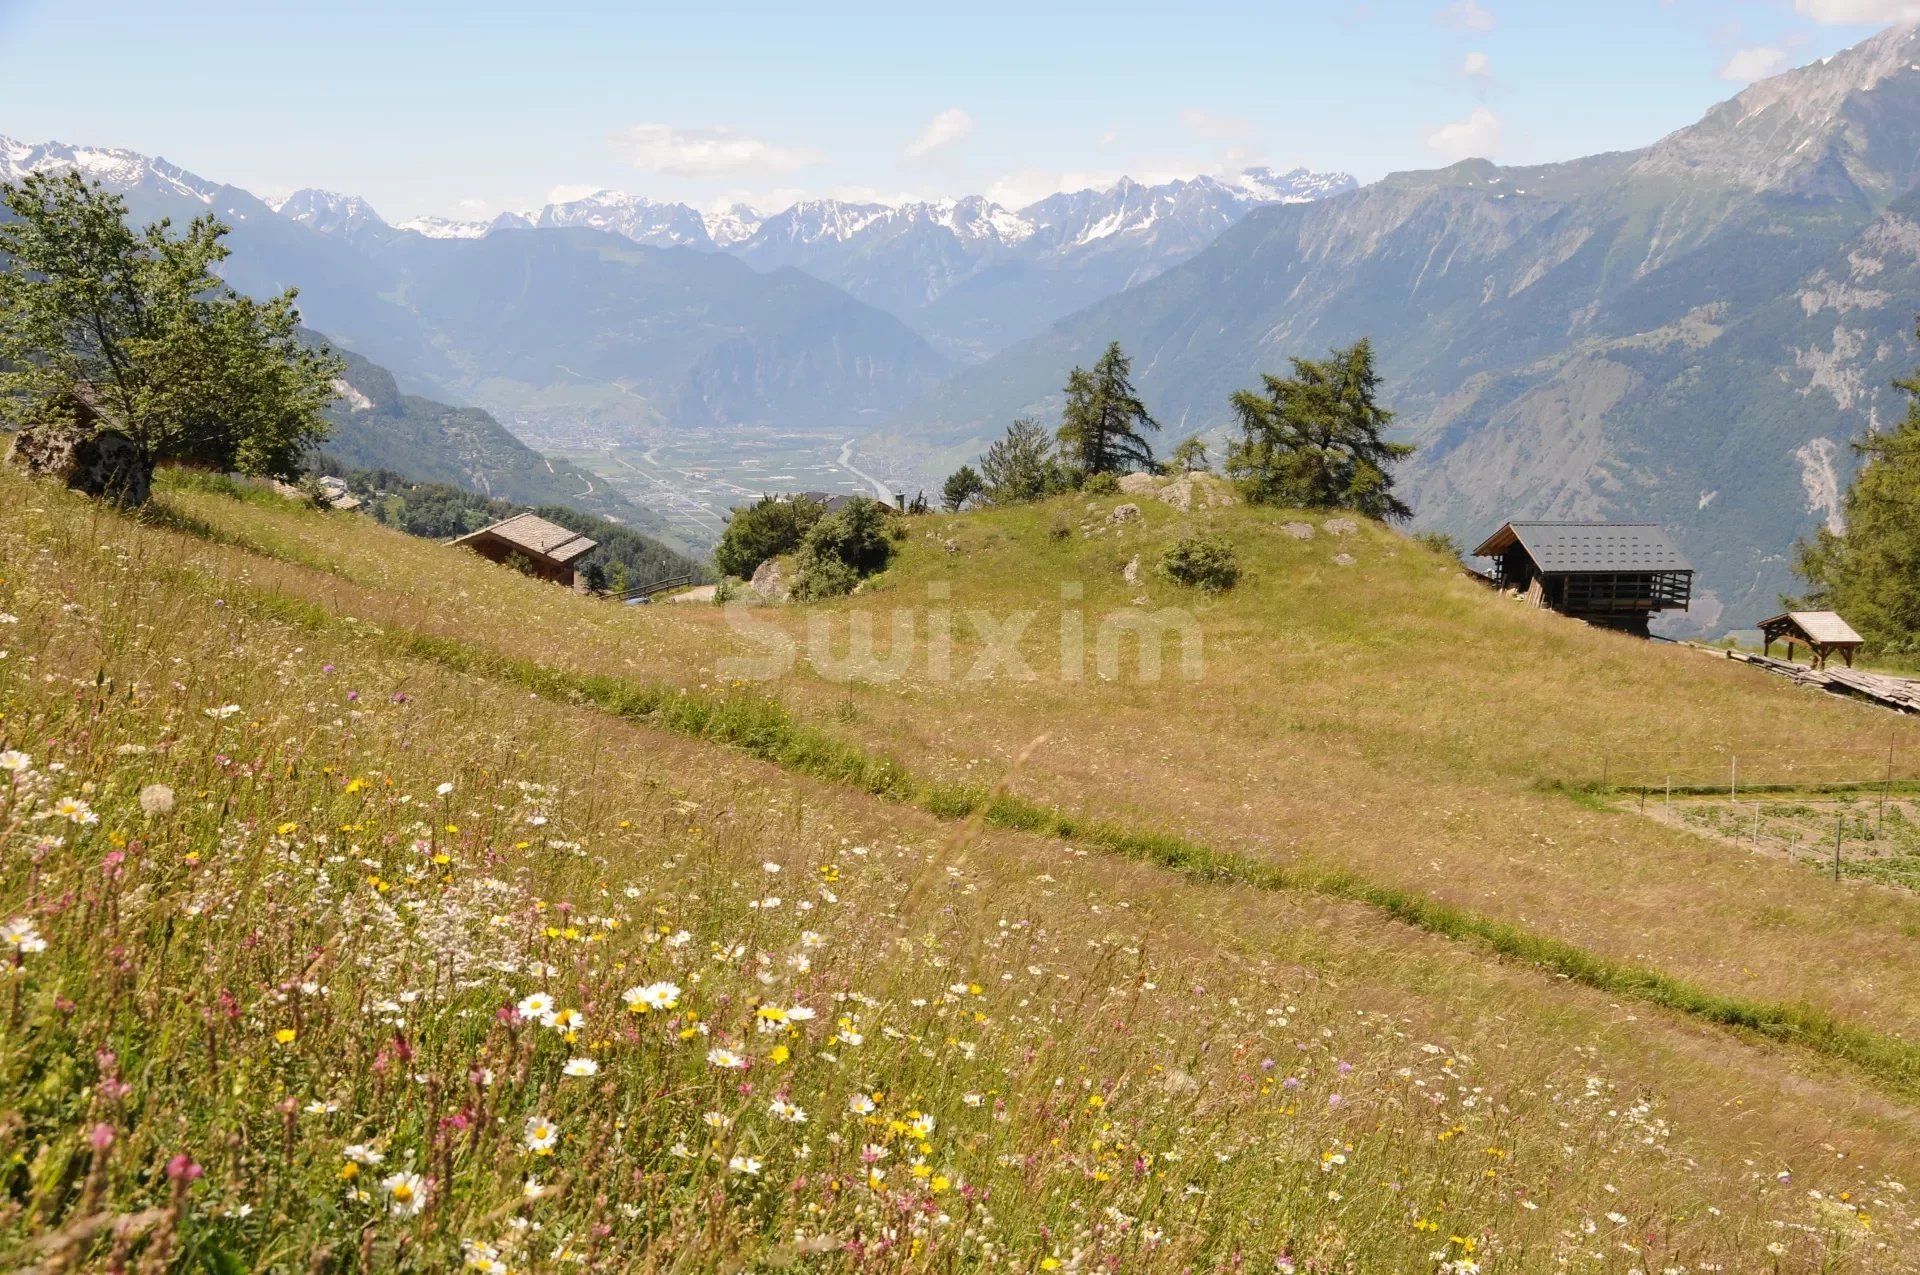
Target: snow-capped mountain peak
634	216
444	227
327	211
119	170
732	225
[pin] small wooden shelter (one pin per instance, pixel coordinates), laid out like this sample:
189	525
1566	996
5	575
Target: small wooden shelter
543	548
1614	574
1821	632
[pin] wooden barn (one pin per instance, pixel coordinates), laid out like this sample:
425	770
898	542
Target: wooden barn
1615	574
542	548
1822	632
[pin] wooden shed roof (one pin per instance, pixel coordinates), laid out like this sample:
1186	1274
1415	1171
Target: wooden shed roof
1573	548
536	536
1824	627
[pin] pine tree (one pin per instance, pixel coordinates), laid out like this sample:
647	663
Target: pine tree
1315	439
1021	465
1870	572
1103	427
963	486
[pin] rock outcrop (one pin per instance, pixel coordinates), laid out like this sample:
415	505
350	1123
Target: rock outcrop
98	461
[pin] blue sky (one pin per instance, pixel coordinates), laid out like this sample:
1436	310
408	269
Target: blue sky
469	108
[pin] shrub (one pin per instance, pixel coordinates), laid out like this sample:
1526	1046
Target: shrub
765	530
840	549
1101	485
1440	542
1201	562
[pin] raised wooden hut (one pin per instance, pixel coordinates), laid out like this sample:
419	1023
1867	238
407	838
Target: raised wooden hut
1615	574
1821	632
539	547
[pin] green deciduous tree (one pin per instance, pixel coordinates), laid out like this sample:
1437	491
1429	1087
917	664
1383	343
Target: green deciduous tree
137	325
1870	572
765	530
1316	439
842	548
1022	466
1103	428
963	486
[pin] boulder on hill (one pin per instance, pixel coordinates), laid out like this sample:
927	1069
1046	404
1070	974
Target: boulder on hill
100	462
1181	491
770	581
1203	490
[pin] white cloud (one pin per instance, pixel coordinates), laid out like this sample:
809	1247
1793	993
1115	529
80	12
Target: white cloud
1477	66
1111	136
702	152
568	194
1755	62
1858	12
1477	136
949	128
1216	128
1466	15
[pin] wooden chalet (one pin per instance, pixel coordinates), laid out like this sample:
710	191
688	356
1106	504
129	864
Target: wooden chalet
1821	632
542	548
1613	574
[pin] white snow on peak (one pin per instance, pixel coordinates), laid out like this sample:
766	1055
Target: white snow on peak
117	170
732	225
444	228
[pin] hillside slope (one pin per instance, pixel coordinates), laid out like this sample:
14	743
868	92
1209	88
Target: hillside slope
1688	333
376	853
375	426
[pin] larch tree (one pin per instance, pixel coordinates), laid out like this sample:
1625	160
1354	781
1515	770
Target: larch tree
1317	439
1870	571
1104	427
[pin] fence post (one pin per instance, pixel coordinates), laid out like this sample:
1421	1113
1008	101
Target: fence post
1886	787
1839	821
1733	781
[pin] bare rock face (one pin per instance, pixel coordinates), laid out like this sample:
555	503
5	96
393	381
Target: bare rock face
770	582
1343	559
1298	530
1340	526
99	462
1128	512
1131	572
1138	484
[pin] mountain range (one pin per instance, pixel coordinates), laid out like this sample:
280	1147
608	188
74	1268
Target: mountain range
618	309
1690	333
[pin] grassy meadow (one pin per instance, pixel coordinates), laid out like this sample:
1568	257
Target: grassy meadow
370	907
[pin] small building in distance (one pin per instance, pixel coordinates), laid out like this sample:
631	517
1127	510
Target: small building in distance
1821	632
1613	574
540	547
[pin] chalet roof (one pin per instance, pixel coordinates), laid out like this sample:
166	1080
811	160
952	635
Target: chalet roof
1574	548
535	535
1825	627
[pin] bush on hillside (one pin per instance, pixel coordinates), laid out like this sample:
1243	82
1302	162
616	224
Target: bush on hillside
1101	485
1206	563
842	548
765	530
1440	542
1023	466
